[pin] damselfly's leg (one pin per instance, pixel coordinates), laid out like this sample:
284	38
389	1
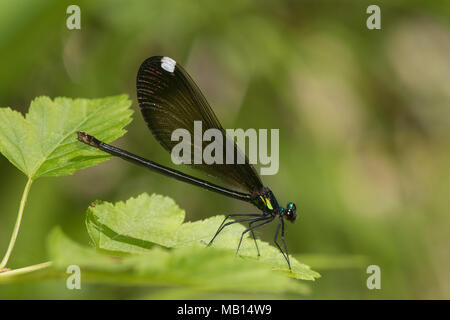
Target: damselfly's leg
222	225
253	236
264	220
284	243
281	224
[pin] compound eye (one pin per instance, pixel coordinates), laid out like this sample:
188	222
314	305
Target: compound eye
291	213
291	206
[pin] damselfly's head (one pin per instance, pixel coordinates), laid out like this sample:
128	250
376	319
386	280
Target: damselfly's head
290	213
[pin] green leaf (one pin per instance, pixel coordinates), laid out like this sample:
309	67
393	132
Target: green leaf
142	221
136	225
195	268
44	142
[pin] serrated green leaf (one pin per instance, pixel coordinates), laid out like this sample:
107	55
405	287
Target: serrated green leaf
197	268
44	142
139	223
142	221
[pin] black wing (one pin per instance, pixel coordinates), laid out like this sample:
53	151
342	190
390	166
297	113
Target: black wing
169	99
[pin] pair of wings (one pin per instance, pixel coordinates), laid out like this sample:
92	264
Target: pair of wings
169	99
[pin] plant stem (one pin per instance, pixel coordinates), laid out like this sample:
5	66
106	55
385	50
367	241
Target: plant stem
12	241
24	270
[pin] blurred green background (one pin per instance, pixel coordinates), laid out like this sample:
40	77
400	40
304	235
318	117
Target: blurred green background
364	119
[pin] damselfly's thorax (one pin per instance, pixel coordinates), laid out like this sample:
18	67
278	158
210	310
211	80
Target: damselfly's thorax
264	200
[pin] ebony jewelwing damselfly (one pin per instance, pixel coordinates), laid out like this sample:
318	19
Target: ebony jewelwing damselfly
169	99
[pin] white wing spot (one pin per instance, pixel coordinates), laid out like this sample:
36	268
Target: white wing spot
168	64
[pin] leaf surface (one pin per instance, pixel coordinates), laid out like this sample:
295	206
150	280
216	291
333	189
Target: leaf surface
136	225
195	268
44	142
